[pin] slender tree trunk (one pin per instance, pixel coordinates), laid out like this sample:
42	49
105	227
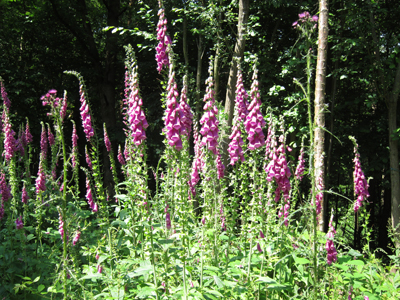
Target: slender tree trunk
319	103
394	157
237	56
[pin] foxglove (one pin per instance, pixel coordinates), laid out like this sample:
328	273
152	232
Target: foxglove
164	40
330	247
360	182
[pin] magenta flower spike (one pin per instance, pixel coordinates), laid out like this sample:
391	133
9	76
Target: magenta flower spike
300	167
255	123
61	226
74	145
173	113
187	115
28	134
88	160
262	234
209	122
5	188
64	106
76	238
360	182
168	221
220	166
43	142
89	197
40	179
241	103
120	156
85	114
19	223
259	248
135	117
162	51
330	247
24	197
6	101
10	144
320	195
50	136
106	139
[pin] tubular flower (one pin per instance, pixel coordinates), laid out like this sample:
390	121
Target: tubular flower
241	103
64	105
136	119
43	142
163	40
85	114
50	136
259	248
173	113
254	121
220	166
5	188
88	160
235	146
106	139
6	101
120	156
89	197
74	145
360	182
9	137
28	134
278	169
168	221
209	122
197	161
300	167
24	197
21	142
76	238
18	223
330	247
61	226
187	116
40	179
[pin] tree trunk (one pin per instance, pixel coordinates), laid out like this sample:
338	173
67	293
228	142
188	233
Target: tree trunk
319	104
394	157
231	86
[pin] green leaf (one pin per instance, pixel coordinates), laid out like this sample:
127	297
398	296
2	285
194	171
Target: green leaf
91	276
40	288
36	279
218	281
164	242
278	287
355	262
143	270
146	292
267	280
301	260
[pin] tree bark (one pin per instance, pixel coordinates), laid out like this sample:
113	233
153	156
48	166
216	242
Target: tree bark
231	86
319	105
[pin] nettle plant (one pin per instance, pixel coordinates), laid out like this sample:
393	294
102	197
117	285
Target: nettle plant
208	231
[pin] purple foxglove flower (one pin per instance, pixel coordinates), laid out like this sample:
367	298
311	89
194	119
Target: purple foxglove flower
25	196
61	226
97	256
6	101
315	18
262	235
99	269
255	123
120	156
21	142
74	146
320	195
64	105
286	213
330	247
235	146
136	119
76	238
168	221
220	166
40	179
187	115
5	188
278	169
19	223
203	220
173	113
9	138
28	134
300	167
50	136
209	122
106	139
88	160
259	248
43	142
89	197
85	114
164	40
360	182
241	103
